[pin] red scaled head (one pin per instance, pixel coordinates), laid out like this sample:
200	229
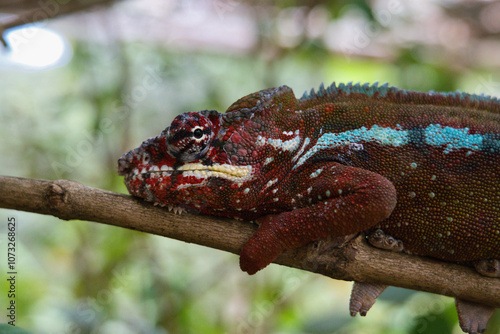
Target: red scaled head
156	170
222	164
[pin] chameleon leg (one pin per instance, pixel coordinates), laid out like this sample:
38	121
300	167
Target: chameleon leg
490	268
363	296
353	200
473	317
379	239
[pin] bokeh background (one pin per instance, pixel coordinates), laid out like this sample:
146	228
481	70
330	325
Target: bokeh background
79	90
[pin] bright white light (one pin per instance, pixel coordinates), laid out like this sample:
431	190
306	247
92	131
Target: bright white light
35	48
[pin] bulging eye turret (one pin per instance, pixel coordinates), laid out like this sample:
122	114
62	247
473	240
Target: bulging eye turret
189	136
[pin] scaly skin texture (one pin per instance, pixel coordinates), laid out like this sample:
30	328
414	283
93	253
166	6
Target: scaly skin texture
422	167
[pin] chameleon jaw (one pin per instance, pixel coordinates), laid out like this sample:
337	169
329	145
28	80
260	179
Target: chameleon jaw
196	175
237	174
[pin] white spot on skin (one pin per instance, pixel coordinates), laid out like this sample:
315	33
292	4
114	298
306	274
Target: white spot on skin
271	182
268	160
309	190
285	145
356	147
246	191
316	173
276	199
302	148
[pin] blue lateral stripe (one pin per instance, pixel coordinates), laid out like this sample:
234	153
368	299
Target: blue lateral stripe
380	135
453	138
434	134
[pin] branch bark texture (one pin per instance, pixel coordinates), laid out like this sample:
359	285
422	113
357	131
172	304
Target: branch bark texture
354	260
36	11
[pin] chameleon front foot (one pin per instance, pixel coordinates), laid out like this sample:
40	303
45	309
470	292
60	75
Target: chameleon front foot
262	248
489	268
473	317
379	239
363	296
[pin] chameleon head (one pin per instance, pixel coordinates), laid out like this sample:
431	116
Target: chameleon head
179	167
153	171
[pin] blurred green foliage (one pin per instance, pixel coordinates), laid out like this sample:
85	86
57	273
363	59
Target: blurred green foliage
74	122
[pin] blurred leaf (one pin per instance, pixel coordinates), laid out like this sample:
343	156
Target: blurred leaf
395	294
435	322
8	329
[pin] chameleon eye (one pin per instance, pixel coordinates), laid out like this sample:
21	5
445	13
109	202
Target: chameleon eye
146	158
190	136
198	133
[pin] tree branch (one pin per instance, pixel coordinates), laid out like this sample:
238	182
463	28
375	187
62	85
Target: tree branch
355	260
38	11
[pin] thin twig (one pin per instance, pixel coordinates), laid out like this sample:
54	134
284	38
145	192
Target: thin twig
46	12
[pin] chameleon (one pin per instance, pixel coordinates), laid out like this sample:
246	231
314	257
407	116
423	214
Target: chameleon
417	171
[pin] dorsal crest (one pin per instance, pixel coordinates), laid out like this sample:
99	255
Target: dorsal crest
342	92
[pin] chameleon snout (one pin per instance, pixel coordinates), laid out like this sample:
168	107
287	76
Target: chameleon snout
125	164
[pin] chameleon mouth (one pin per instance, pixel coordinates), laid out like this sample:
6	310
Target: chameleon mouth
238	174
139	182
225	171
